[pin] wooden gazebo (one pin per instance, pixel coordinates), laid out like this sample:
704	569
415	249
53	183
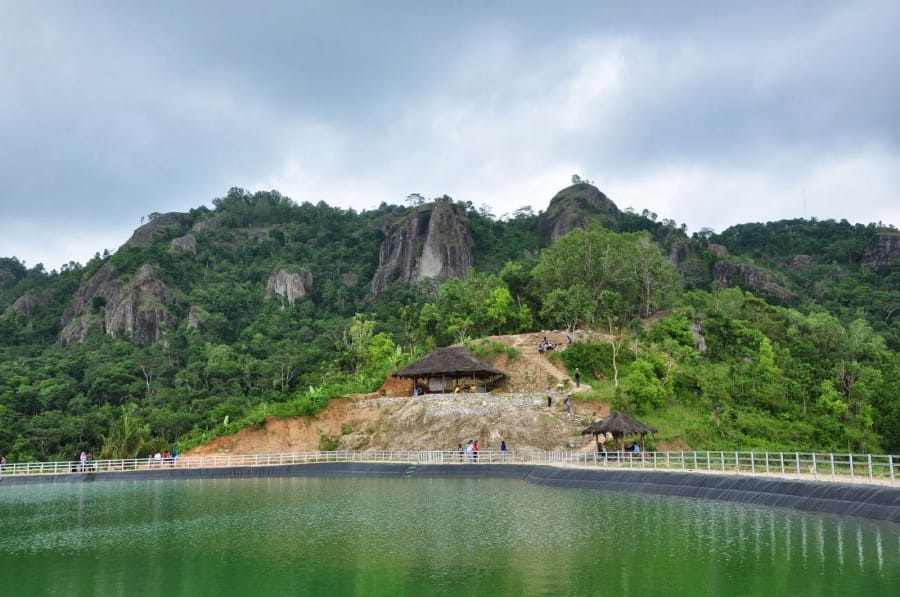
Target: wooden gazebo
444	369
619	425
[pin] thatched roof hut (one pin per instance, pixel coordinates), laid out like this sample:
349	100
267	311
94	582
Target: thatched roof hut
619	425
455	365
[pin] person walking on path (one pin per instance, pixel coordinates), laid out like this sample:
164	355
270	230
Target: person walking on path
469	450
475	451
83	461
459	450
577	378
568	403
503	451
549	397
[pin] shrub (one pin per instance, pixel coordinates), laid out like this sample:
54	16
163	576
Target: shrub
328	443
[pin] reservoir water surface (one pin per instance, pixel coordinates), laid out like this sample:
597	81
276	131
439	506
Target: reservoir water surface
307	536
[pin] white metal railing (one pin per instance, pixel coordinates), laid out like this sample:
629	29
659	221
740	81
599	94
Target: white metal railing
843	468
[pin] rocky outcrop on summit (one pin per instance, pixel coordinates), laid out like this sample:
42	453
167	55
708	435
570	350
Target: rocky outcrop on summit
289	286
576	207
884	248
727	273
434	241
135	310
143	236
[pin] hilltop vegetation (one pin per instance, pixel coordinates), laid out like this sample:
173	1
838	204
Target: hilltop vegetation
778	335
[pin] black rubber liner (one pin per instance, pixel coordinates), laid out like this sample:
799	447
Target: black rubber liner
863	501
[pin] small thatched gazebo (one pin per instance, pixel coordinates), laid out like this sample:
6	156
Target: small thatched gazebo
445	368
619	425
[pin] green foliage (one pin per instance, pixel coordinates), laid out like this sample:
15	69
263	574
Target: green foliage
588	263
595	359
642	390
127	436
488	351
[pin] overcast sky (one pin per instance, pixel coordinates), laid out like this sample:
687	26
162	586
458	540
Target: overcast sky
706	114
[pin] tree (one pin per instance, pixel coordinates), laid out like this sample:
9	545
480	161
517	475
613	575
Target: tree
354	344
658	279
499	308
567	307
600	260
644	389
127	436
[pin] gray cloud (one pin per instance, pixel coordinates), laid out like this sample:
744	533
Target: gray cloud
711	116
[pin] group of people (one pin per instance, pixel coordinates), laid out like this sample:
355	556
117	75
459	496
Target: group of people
159	458
465	388
83	463
545	346
470	453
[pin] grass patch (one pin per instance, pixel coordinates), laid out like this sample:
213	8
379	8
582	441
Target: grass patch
488	350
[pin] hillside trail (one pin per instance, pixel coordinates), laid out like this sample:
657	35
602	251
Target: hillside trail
393	419
536	369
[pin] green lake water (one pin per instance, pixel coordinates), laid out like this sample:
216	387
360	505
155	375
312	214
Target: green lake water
301	536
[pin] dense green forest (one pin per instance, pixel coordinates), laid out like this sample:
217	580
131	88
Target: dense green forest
807	361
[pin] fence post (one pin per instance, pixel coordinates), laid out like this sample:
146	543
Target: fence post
815	467
850	456
891	464
870	468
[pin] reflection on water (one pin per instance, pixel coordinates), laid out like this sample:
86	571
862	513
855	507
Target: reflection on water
435	536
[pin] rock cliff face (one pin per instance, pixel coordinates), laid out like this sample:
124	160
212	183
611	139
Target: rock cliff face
79	319
289	286
434	241
884	248
727	272
575	207
135	310
139	309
